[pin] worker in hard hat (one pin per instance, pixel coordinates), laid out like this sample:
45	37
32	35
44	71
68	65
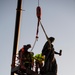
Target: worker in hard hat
25	56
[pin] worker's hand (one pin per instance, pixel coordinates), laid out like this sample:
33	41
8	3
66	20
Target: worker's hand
60	53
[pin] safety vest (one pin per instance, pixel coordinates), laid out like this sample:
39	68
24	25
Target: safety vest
39	58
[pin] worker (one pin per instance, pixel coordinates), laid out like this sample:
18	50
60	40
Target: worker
38	62
50	64
25	57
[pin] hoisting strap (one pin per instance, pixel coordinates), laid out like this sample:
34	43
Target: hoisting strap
47	40
37	29
36	34
34	44
45	34
38	14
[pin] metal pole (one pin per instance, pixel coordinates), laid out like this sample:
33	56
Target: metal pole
16	34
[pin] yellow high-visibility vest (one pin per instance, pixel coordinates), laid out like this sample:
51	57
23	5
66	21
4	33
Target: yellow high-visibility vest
39	57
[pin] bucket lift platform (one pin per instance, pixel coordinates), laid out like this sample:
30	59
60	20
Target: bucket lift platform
21	71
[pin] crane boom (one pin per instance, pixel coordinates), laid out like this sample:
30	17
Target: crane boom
16	34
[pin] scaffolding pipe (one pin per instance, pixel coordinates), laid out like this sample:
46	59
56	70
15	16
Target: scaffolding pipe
16	34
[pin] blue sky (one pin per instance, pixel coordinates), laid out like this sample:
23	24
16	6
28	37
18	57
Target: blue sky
58	19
